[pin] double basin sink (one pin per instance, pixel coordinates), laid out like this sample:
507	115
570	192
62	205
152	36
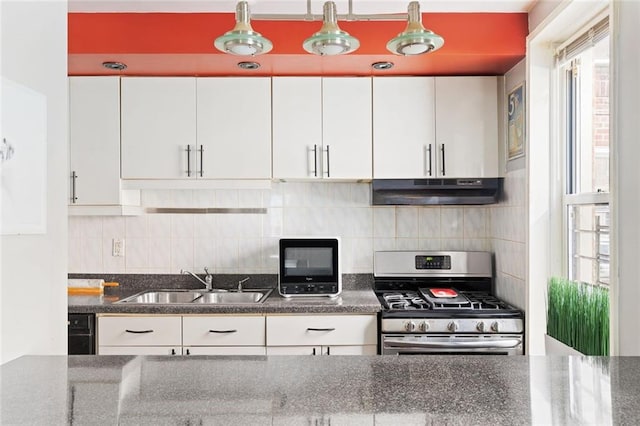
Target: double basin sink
215	297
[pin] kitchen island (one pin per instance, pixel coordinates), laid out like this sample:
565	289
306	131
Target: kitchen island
321	390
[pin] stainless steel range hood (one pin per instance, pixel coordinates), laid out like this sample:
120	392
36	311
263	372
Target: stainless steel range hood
463	191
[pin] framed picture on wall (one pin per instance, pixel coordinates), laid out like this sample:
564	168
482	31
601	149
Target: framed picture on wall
515	122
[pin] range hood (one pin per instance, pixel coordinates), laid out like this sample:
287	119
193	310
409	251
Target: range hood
464	191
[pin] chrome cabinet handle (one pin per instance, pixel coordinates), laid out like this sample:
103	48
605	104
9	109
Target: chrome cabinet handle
443	166
201	160
223	331
320	329
188	160
328	165
429	169
74	176
315	160
139	331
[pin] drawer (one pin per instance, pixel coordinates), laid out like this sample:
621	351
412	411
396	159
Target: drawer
224	350
303	330
223	331
139	350
140	331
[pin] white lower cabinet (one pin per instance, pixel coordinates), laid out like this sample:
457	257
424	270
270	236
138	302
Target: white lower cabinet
323	350
224	350
328	334
321	334
223	335
178	335
139	335
140	350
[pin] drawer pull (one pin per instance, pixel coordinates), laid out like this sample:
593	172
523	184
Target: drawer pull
223	331
320	329
139	331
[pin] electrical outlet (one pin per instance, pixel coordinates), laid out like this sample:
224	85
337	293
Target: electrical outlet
117	247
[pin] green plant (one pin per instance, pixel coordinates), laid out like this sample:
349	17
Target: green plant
578	315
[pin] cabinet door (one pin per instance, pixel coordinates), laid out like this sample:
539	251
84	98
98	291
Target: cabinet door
346	128
467	126
403	127
223	331
350	350
234	128
316	330
139	350
294	350
158	124
94	140
140	331
297	127
224	350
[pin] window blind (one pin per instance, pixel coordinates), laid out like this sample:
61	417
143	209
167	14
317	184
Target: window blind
584	41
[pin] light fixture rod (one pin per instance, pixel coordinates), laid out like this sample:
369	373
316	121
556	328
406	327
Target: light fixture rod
313	17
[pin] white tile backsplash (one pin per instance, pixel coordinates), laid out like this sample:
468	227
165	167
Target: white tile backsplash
407	222
248	243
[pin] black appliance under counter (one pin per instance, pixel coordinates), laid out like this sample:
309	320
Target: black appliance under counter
262	390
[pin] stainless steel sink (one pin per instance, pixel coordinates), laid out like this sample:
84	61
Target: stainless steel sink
219	297
162	297
235	297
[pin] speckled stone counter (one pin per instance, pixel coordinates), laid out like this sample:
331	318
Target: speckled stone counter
321	390
357	297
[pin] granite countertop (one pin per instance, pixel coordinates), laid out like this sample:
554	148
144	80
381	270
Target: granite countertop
321	390
357	297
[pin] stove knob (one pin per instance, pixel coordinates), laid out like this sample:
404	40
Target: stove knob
409	326
495	327
424	326
453	326
480	326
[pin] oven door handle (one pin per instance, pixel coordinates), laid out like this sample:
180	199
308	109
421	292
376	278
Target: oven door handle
497	343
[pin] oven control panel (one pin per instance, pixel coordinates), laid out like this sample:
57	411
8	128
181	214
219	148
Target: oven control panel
452	325
433	262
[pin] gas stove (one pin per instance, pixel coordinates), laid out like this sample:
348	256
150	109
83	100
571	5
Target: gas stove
443	302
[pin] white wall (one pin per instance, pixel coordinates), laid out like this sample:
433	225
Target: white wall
248	243
626	175
33	275
508	218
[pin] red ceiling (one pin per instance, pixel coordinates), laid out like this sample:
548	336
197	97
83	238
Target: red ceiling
182	44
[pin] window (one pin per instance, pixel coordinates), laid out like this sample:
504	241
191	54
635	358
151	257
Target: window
584	64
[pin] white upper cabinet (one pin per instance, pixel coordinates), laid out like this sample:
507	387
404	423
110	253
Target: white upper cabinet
321	128
94	140
159	128
467	126
234	128
442	127
403	127
346	128
297	127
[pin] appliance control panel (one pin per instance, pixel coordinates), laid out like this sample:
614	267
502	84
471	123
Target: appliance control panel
450	325
433	262
309	289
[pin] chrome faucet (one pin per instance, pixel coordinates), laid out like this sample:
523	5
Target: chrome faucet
242	282
208	279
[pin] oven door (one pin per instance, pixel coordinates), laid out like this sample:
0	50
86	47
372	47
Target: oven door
452	344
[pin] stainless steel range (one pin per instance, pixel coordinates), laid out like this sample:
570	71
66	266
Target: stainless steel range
442	303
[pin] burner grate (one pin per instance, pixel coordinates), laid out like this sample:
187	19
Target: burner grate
422	300
409	300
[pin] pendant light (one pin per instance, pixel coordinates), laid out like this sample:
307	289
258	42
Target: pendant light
242	40
415	39
330	40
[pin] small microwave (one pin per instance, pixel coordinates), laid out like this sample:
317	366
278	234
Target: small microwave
309	267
